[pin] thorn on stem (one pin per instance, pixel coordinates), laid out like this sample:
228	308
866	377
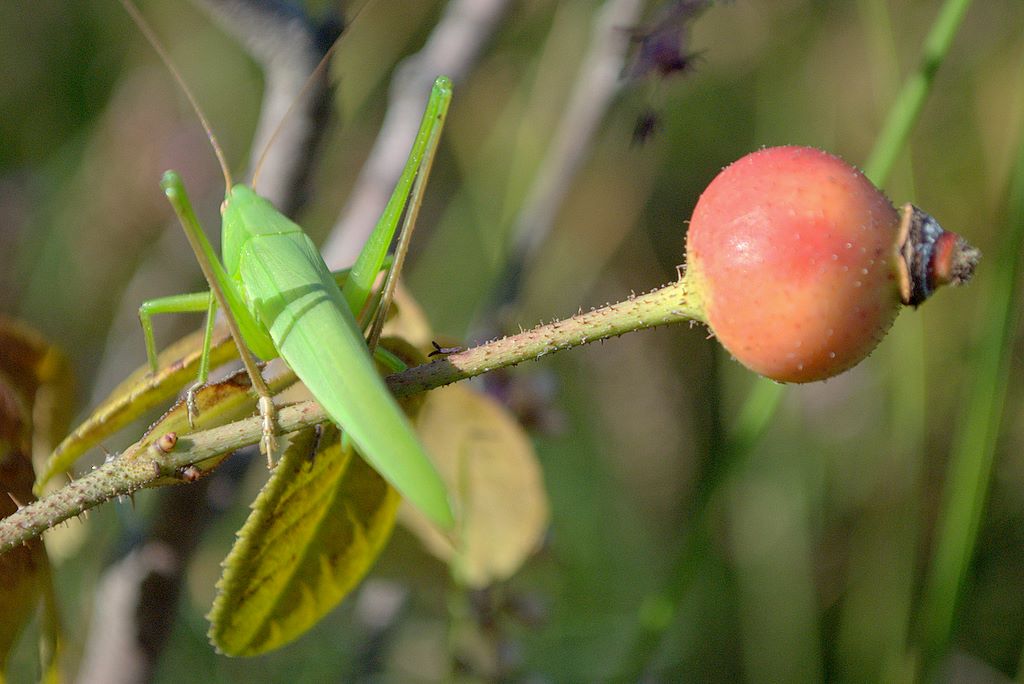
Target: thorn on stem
165	444
190	473
191	407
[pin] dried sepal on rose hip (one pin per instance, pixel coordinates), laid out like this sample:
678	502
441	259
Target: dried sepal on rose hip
801	264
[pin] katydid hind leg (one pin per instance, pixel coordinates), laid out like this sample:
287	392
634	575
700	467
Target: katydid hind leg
357	288
433	124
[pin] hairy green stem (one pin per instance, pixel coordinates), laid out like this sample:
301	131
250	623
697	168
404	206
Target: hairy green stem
670	304
143	466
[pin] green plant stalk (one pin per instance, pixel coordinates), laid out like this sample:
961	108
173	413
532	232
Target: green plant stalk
142	466
970	466
765	396
673	303
907	108
885	538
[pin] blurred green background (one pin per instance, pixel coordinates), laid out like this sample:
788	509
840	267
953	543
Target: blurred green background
679	550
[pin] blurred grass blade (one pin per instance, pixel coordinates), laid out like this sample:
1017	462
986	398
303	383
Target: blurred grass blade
755	415
905	111
970	467
315	529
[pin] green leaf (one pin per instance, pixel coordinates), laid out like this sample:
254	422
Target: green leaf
314	531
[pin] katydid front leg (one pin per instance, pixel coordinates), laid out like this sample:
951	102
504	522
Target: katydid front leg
184	303
226	295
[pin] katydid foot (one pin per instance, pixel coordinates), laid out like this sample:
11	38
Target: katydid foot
268	443
191	407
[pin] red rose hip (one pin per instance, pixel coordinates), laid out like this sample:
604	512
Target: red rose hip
798	261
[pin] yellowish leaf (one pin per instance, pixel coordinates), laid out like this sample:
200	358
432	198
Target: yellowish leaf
40	375
216	404
24	569
140	392
489	464
315	529
35	399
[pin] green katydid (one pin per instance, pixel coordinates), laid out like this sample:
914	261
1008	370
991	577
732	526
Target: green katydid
280	299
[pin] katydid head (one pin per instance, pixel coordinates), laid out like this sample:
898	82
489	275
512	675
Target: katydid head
246	214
